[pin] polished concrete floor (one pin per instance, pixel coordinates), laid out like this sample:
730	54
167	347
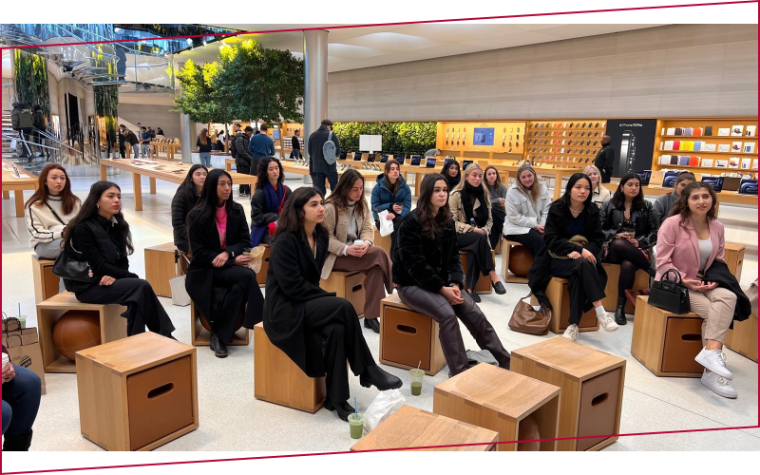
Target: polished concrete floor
232	420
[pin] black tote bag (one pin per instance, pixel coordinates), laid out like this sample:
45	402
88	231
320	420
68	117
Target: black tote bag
670	295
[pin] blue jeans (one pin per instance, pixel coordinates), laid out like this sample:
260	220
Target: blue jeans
21	400
319	181
145	150
206	159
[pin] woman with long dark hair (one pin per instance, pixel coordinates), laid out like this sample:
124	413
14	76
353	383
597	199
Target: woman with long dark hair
471	209
316	329
429	274
630	230
205	145
49	210
574	239
100	236
392	194
451	173
268	200
528	205
498	194
187	196
218	279
349	222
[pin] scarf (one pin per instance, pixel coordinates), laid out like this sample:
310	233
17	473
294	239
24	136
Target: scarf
452	181
479	194
273	198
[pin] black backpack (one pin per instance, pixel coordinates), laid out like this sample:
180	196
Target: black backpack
233	148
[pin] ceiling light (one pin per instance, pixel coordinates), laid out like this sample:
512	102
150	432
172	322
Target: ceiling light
190	41
117	30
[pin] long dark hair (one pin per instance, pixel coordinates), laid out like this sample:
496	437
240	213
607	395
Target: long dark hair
564	200
291	218
188	187
681	206
432	223
68	199
263	179
90	209
618	199
339	196
209	200
452	181
392	187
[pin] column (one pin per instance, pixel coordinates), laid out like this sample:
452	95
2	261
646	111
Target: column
315	68
186	138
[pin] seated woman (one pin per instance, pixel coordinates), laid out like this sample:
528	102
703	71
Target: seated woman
471	209
22	391
316	329
348	220
691	240
429	274
498	193
664	203
218	279
185	199
100	236
599	194
574	238
392	194
451	173
528	205
49	210
630	230
267	200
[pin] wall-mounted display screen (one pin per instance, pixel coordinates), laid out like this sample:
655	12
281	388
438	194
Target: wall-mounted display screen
483	136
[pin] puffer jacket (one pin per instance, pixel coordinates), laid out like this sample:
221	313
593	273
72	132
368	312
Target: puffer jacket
522	215
383	199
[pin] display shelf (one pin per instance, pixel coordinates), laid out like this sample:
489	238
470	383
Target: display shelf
458	137
710	137
700	152
556	135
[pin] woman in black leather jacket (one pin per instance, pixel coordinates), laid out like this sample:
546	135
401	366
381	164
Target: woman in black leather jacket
630	230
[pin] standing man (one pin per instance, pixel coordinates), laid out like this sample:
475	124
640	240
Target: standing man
318	167
122	139
239	150
260	146
145	139
296	145
605	159
131	138
22	122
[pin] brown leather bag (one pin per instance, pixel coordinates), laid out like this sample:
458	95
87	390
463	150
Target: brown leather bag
525	319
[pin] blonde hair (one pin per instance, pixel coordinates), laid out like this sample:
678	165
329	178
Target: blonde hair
535	189
598	173
471	168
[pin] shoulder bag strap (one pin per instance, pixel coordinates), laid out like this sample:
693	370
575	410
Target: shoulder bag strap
55	214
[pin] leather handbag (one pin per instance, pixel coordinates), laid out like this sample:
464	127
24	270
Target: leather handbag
576	240
69	268
526	319
670	295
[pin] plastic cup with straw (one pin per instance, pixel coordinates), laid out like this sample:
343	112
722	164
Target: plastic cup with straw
416	375
356	422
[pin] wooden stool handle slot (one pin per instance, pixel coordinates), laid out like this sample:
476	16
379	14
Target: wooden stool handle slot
160	391
600	399
406	329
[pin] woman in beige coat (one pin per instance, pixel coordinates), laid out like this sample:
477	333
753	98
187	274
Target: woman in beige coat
349	222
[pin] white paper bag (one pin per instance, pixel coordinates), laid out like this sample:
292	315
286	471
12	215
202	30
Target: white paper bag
386	225
385	404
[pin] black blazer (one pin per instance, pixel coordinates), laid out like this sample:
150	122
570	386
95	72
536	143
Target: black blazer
292	280
644	221
719	273
180	208
425	262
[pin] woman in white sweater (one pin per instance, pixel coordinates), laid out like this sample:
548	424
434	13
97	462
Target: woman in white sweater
49	210
527	206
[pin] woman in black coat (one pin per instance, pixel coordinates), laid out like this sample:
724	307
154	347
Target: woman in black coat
565	256
185	199
429	274
316	329
99	235
630	231
218	279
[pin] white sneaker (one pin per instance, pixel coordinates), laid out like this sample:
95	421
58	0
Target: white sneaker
718	384
607	322
715	361
571	333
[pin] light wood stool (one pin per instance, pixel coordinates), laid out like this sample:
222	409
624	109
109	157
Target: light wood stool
383	242
743	338
483	285
199	336
347	285
611	289
160	266
558	295
46	284
261	275
734	255
508	276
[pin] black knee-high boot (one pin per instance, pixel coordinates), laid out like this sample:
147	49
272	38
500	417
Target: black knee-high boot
17	443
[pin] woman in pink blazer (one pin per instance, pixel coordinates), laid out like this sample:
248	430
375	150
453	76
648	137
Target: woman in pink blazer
690	240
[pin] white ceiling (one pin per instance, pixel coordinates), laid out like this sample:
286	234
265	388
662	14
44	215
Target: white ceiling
355	48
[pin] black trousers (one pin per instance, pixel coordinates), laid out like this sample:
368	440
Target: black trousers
534	241
335	318
497	215
606	175
630	259
479	258
143	307
586	285
318	180
439	309
245	170
235	292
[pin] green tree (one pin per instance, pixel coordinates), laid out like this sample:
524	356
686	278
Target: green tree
31	80
201	98
398	137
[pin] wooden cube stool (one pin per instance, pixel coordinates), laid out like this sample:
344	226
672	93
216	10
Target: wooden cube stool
508	276
559	297
667	343
743	338
261	275
408	338
112	327
46	284
609	302
278	380
412	427
160	266
734	255
483	285
347	285
137	393
500	400
383	241
199	336
592	389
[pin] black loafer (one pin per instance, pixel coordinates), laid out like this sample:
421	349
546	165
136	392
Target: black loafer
475	296
372	324
499	288
342	409
218	347
379	378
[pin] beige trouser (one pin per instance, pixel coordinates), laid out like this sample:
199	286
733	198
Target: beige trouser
716	307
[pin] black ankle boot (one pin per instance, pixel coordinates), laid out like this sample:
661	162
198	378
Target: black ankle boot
379	378
341	409
18	443
620	311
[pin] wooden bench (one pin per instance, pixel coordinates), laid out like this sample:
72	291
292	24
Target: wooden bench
347	285
734	256
743	338
558	295
483	285
200	336
611	289
508	276
160	267
46	284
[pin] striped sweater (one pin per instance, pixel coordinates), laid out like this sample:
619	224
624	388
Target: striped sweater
43	225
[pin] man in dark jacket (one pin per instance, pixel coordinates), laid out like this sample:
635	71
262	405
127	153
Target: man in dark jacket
605	159
318	167
131	138
122	141
260	146
22	121
40	127
296	145
240	152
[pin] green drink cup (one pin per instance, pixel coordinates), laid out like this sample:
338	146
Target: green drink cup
356	423
416	376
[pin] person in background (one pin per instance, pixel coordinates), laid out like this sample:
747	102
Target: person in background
187	196
664	203
451	173
22	392
392	194
152	133
145	139
239	149
318	167
599	193
160	131
122	142
498	194
433	152
131	138
605	159
527	206
268	200
295	144
261	145
40	128
23	122
204	145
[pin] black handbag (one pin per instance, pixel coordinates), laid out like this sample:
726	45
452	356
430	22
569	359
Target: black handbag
69	268
670	295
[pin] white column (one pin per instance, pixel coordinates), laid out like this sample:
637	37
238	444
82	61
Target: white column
186	138
315	68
